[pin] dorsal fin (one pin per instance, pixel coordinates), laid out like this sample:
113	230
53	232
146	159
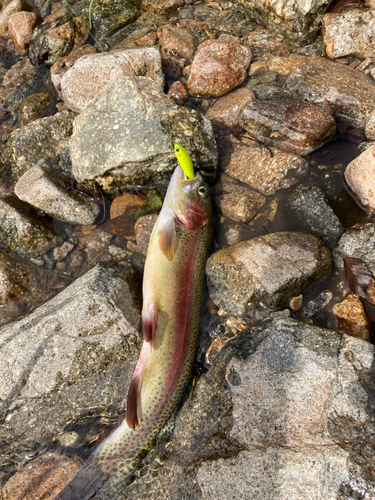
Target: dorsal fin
149	320
167	238
133	406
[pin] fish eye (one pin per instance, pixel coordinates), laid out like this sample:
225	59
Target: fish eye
203	191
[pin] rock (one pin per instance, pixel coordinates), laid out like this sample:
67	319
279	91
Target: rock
9	9
14	279
45	477
239	202
93	74
126	203
284	412
143	228
285	65
263	41
317	304
311	207
177	47
139	39
350	93
61	252
159	6
22	232
359	244
243	275
72	357
218	67
37	140
289	124
370	126
352	318
349	33
45	190
360	177
120	141
178	93
293	21
61	66
226	111
254	165
21	26
55	38
37	106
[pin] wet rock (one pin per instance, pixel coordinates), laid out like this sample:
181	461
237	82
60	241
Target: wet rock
143	228
45	190
283	412
44	477
9	9
21	231
285	65
126	203
263	41
288	123
317	304
70	358
177	46
61	66
14	279
238	201
120	141
293	21
139	39
37	140
37	106
160	6
350	93
55	38
218	67
360	177
21	26
359	244
370	126
270	269
352	318
265	169
93	74
311	207
178	93
349	33
61	252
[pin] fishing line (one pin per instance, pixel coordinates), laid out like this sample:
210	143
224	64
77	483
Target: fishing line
181	154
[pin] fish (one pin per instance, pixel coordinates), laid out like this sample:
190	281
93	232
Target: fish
174	271
184	160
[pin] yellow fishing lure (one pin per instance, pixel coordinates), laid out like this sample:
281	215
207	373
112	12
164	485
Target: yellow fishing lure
184	160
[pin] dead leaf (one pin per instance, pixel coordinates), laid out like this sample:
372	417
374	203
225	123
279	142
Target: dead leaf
357	275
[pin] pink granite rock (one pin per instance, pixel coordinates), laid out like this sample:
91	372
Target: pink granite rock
21	26
360	177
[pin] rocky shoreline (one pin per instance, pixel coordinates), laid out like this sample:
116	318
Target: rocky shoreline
275	103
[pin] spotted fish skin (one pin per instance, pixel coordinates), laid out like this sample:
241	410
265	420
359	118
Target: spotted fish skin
172	286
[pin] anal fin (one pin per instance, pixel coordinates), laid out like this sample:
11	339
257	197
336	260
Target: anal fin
133	406
149	320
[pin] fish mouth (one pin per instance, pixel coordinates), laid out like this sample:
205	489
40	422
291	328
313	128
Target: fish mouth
189	184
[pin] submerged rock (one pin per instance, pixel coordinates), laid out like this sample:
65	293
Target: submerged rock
350	93
284	412
360	177
311	207
93	74
37	106
37	140
45	190
243	275
118	139
21	231
72	357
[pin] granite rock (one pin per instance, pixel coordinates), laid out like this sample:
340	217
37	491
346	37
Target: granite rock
360	177
243	275
359	244
37	105
9	9
21	26
352	318
177	47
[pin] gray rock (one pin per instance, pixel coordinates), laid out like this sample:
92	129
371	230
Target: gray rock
293	20
350	93
37	140
37	105
311	207
118	138
360	177
44	189
72	357
93	74
359	244
269	269
285	412
21	231
349	33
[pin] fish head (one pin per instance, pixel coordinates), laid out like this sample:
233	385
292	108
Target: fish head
189	199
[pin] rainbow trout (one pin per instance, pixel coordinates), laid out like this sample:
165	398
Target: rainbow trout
172	286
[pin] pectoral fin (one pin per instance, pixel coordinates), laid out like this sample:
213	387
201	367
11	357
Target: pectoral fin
149	320
168	238
133	406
